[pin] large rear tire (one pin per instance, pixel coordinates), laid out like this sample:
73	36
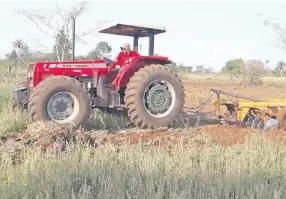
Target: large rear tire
154	97
61	99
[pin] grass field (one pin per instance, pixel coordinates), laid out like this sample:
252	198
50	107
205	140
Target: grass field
198	166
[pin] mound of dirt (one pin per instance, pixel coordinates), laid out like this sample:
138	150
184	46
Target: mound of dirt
49	135
40	134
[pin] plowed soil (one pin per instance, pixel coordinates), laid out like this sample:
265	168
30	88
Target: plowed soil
50	135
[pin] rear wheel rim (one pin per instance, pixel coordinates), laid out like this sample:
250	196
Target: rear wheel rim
159	98
63	107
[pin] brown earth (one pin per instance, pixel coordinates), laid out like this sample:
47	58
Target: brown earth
50	136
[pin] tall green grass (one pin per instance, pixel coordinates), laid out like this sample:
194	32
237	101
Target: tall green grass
10	121
256	170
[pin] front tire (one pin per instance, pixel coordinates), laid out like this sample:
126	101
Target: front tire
154	97
61	99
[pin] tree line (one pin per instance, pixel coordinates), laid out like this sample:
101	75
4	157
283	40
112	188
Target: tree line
21	54
57	27
256	68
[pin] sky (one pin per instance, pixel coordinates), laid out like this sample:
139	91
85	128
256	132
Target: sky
205	33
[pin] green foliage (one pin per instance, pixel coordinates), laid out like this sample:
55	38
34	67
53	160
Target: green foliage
181	68
200	69
24	55
12	55
234	67
19	54
279	69
61	51
102	49
172	65
22	48
209	70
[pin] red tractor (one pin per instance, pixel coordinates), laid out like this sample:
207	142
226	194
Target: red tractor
66	92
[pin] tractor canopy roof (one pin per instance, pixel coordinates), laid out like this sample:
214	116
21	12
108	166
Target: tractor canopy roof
133	30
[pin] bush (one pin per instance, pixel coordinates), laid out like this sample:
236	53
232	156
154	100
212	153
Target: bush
253	72
234	67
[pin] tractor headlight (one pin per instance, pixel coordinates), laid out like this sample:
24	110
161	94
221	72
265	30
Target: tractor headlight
30	74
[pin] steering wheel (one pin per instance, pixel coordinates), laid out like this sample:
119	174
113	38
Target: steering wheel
107	60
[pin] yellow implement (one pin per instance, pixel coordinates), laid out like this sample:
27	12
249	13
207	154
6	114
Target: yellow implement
238	111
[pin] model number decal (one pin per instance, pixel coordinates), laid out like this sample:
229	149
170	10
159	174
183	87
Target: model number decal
92	65
74	65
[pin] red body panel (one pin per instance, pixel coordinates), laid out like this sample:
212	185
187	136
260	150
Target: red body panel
132	65
68	68
88	68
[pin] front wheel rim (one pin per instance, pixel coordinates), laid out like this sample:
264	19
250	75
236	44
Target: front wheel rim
63	107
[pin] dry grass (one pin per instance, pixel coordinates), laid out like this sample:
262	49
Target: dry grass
255	170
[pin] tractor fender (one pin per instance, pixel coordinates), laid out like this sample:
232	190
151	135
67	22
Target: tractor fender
128	70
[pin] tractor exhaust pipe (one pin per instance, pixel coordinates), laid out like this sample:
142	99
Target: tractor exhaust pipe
73	37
